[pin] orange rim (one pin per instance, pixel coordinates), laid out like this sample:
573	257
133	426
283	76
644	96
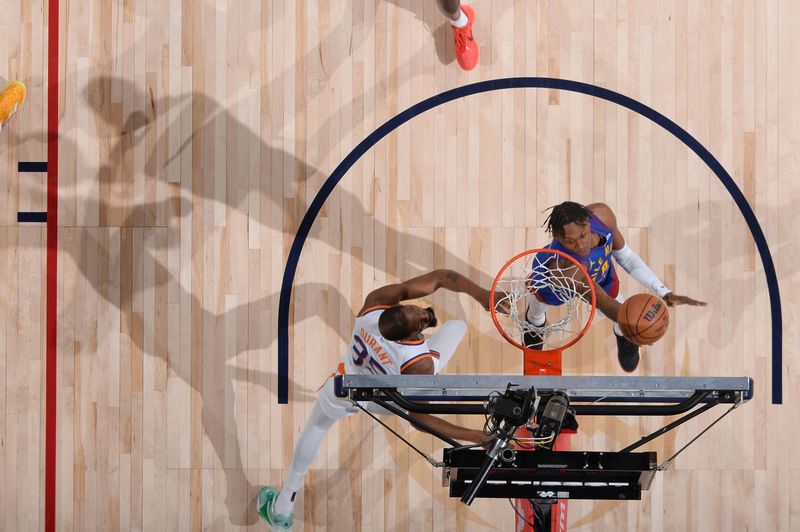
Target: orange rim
500	273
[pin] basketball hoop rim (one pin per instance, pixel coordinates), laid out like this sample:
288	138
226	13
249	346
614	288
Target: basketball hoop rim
499	275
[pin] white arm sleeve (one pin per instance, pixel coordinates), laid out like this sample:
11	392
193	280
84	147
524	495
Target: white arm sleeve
635	266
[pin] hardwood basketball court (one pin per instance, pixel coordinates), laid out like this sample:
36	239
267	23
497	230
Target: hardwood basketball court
192	137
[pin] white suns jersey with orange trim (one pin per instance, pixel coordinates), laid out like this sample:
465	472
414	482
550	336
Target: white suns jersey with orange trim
370	353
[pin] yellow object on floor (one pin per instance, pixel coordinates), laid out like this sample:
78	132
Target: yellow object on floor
11	99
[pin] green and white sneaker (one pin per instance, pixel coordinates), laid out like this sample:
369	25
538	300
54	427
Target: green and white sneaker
266	501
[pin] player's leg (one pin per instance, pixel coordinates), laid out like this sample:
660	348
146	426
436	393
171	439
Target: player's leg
461	20
627	351
277	506
444	341
536	315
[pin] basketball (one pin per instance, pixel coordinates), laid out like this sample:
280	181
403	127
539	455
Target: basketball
643	318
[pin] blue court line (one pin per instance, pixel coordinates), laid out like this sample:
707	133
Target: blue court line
32	166
528	83
31	217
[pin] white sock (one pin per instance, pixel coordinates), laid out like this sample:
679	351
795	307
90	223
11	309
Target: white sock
305	451
536	314
461	21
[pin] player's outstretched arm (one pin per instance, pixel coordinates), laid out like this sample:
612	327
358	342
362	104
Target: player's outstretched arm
425	285
425	367
448	429
632	263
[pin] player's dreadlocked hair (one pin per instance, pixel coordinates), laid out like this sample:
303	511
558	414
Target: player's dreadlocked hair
393	324
563	214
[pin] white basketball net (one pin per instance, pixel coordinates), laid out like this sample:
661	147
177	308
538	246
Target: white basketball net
542	272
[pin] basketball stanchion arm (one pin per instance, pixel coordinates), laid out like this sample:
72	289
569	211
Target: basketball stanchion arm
663	430
580	409
643	410
424	408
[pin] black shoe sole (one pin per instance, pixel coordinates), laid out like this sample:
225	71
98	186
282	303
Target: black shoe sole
627	354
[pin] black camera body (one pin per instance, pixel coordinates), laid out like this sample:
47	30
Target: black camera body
555	411
514	407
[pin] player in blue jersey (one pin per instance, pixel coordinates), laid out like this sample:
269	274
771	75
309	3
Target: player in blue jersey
590	235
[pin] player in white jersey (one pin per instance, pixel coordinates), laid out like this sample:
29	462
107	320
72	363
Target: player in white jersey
387	339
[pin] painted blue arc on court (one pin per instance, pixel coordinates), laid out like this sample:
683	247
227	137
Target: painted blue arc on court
529	83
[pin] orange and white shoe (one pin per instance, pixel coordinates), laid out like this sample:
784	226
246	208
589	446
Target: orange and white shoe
467	52
11	99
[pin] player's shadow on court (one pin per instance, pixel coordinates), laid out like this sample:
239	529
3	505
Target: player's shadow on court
282	188
210	373
161	213
160	207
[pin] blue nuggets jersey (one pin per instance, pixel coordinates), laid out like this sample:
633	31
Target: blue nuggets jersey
598	263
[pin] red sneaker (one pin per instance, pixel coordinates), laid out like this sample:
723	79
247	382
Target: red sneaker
466	48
